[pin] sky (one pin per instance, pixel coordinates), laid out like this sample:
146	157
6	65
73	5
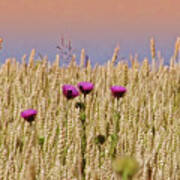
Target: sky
95	25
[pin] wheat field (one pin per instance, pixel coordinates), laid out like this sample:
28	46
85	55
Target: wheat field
144	124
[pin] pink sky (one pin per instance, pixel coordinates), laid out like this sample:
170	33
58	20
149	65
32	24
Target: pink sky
29	22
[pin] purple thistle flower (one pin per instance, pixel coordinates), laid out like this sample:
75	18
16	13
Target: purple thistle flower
85	87
70	91
118	91
29	115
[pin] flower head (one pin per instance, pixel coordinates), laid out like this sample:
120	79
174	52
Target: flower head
70	91
100	139
85	87
118	91
29	115
80	105
125	165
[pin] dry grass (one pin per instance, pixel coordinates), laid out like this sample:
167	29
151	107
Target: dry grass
145	123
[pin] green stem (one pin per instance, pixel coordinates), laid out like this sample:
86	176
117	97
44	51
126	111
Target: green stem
84	143
99	147
125	175
83	150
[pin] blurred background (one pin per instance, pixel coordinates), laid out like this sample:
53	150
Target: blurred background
97	26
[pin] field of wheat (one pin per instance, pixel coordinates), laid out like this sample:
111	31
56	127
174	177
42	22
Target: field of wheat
80	138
